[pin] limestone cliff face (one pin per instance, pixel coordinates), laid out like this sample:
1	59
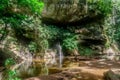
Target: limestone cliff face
67	11
72	13
82	20
11	47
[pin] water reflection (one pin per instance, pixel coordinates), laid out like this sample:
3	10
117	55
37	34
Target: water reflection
30	69
27	69
34	68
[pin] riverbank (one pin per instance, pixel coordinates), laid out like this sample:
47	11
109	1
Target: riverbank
81	70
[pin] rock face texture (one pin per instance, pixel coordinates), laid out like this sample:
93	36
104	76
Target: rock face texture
83	20
67	11
11	47
112	53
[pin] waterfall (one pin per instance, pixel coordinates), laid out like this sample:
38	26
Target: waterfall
86	7
60	53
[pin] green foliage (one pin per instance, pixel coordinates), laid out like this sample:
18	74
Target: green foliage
115	28
32	47
43	45
12	75
85	51
26	23
9	62
102	6
49	32
70	42
105	6
3	4
33	5
112	25
3	31
53	32
45	35
15	12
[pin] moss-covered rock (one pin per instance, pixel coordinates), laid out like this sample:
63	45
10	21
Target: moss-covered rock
69	11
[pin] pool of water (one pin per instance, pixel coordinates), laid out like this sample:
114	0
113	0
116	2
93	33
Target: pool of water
27	69
81	70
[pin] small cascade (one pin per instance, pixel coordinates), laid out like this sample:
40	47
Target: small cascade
86	7
60	53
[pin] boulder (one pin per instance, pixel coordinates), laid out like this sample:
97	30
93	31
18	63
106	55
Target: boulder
113	74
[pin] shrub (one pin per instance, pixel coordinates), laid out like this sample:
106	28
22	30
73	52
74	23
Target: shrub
85	51
70	42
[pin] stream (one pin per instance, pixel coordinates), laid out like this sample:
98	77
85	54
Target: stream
70	70
54	66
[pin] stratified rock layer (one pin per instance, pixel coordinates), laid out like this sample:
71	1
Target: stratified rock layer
67	11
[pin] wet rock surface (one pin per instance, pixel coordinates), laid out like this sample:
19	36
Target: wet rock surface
12	47
80	19
81	70
67	12
113	74
68	75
